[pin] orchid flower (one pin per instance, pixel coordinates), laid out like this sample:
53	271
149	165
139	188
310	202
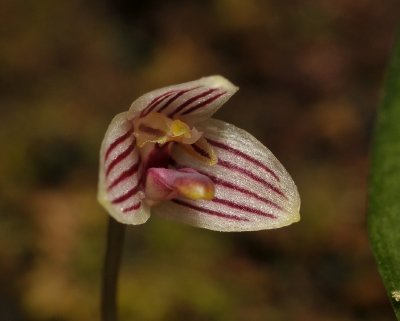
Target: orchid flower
168	157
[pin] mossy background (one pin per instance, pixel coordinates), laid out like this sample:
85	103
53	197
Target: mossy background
310	74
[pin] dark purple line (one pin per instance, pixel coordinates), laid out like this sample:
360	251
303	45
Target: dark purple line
116	142
200	151
120	157
150	130
243	155
131	208
189	101
156	101
219	181
172	99
251	175
124	175
128	194
204	103
242	207
209	211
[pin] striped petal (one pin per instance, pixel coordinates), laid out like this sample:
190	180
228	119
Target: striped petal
119	189
192	101
253	191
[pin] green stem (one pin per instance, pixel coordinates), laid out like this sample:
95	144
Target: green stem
115	240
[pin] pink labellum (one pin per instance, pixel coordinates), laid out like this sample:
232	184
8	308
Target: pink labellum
164	184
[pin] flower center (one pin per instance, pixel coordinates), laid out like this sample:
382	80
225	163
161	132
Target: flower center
156	135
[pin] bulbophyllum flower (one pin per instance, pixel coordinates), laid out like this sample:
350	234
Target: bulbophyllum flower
167	156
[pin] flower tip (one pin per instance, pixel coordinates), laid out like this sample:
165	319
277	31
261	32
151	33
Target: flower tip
297	217
218	81
294	218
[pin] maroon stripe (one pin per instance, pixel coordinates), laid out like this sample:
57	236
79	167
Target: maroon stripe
131	208
200	151
209	211
221	182
251	175
242	207
116	142
132	192
156	101
204	103
175	97
244	156
189	101
120	158
151	131
124	175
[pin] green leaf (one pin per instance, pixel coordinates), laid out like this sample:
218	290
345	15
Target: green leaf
384	184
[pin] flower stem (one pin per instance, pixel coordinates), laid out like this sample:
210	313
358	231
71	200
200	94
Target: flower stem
115	240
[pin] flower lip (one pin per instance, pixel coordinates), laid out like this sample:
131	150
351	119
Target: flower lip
165	184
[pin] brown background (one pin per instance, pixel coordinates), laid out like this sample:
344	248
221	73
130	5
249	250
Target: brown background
310	74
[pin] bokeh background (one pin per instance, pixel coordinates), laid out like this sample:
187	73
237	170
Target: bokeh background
310	74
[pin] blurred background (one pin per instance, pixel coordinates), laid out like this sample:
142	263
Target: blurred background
310	74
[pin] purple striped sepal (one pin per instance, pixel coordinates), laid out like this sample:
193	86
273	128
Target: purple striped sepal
120	188
168	157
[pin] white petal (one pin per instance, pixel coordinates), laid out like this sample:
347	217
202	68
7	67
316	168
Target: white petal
192	101
253	191
120	172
